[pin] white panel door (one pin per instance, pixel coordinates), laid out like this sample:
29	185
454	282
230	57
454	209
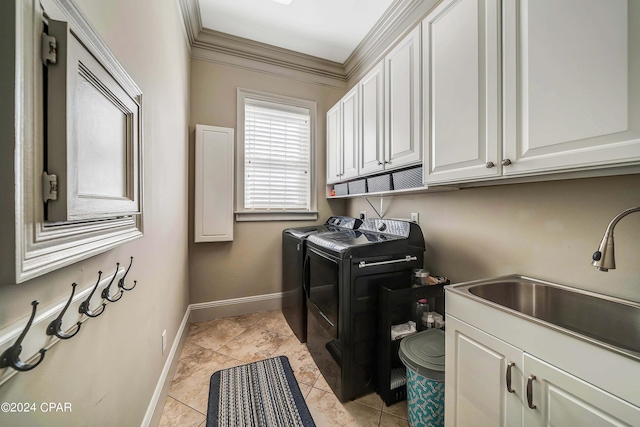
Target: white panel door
571	93
350	134
372	121
479	370
334	145
402	99
560	399
460	57
214	184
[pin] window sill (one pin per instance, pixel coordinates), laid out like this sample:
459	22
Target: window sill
245	216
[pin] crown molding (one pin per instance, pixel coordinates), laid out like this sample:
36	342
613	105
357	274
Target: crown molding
232	50
222	48
399	19
190	11
257	65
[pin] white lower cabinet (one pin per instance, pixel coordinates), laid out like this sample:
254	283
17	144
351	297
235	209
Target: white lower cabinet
476	378
561	399
491	383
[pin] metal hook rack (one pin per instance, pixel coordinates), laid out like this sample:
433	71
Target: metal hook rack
54	327
11	356
84	307
121	281
105	291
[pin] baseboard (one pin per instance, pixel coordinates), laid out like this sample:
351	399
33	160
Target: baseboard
197	313
154	411
235	307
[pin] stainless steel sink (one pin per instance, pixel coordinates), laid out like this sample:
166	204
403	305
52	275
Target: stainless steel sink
604	320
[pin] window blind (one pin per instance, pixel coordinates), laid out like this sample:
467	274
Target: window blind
276	145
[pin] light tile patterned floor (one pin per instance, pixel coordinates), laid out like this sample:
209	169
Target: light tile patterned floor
218	344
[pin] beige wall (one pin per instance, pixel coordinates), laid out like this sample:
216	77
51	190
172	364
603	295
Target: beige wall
109	371
251	264
546	230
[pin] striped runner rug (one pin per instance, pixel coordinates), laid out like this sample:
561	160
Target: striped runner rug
259	394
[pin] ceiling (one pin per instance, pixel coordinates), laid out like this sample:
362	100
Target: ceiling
327	29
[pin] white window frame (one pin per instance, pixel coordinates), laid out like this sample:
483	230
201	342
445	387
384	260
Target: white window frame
276	215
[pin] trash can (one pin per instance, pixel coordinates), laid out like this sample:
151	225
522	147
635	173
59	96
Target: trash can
423	355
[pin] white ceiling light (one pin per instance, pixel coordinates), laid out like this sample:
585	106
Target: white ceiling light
283	1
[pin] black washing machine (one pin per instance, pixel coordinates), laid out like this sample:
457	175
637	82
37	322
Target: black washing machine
293	254
343	272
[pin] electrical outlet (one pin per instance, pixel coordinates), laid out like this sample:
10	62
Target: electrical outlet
414	217
363	215
164	340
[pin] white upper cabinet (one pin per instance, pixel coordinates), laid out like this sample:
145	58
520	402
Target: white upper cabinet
343	138
461	80
372	121
571	92
507	88
527	88
402	99
350	134
334	145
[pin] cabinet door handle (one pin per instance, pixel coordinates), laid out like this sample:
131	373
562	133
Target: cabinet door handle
530	391
506	162
508	379
489	165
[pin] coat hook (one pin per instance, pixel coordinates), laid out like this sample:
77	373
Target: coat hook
84	306
11	356
55	325
105	291
121	281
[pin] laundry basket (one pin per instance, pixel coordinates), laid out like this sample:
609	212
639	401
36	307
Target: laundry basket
423	355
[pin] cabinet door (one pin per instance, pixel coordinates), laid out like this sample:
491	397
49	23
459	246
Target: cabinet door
402	112
560	399
334	145
213	205
350	134
572	100
372	121
93	135
460	57
477	365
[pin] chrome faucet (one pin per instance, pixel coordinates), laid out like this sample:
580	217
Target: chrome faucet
604	258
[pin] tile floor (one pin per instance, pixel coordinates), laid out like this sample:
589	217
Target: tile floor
222	343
